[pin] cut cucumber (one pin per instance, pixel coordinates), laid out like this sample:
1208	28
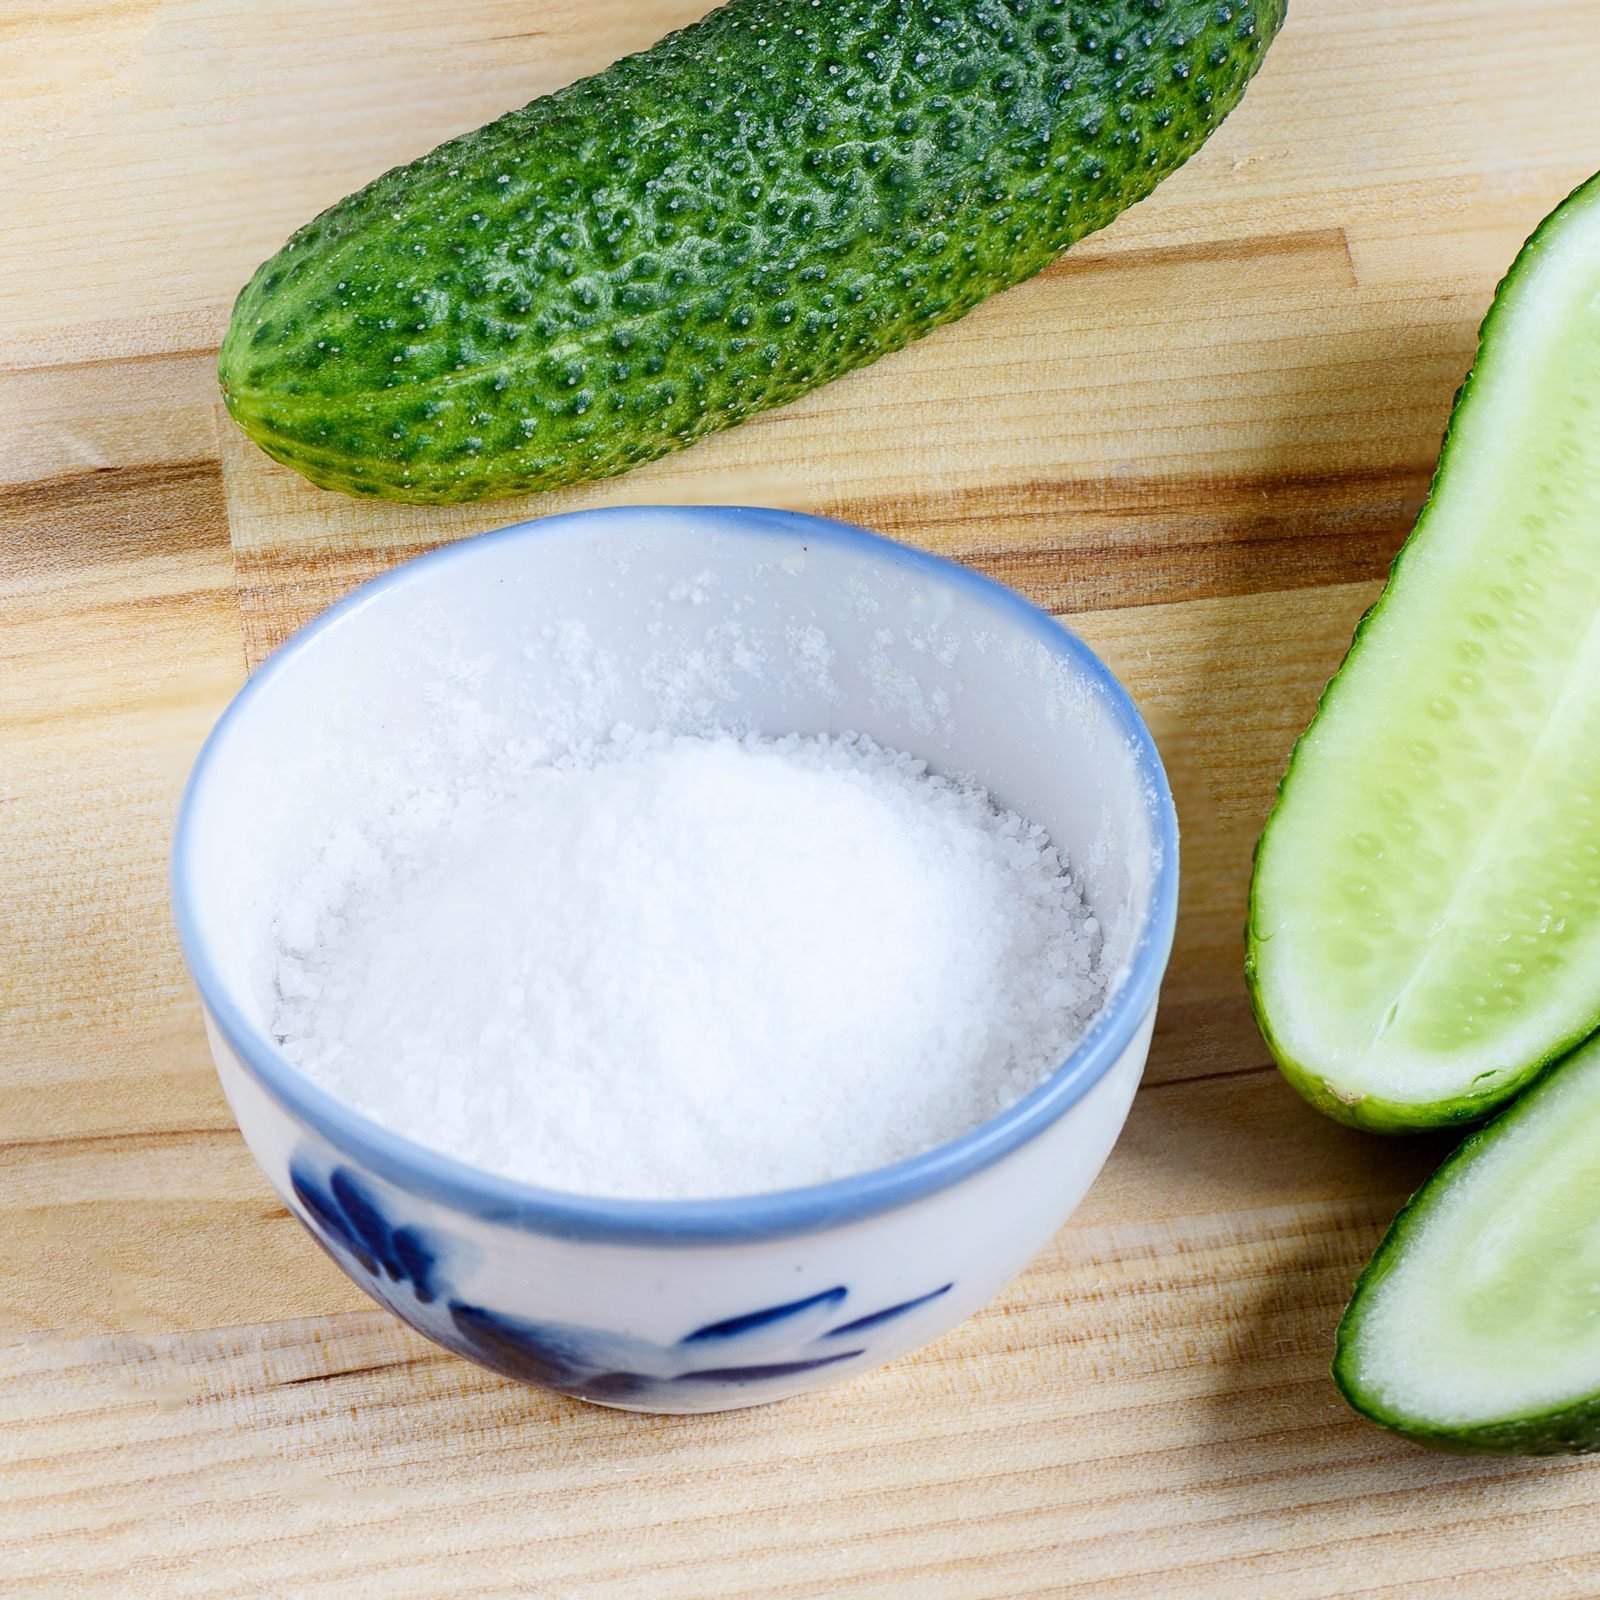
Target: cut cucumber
1477	1325
1425	914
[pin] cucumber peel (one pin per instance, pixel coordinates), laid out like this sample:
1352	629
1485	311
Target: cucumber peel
1424	933
1476	1327
780	193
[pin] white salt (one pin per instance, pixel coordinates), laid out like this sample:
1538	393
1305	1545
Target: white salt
683	967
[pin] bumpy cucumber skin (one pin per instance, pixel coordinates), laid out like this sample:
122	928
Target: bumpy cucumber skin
1572	1429
770	198
1369	1111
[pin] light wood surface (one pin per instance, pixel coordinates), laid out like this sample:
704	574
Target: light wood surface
1204	434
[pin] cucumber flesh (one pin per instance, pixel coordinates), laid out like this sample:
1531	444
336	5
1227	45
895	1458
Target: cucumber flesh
1477	1325
1425	913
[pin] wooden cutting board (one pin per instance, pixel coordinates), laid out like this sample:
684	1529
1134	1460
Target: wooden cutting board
1202	436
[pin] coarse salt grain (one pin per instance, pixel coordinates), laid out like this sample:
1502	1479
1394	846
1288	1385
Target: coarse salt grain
687	967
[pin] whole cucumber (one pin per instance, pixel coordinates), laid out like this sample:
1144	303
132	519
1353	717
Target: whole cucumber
780	193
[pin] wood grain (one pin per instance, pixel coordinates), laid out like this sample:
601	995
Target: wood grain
1202	435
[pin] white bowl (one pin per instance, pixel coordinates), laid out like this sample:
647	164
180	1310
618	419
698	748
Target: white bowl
797	625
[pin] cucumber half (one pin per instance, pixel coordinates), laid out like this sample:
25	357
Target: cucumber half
1424	926
1476	1327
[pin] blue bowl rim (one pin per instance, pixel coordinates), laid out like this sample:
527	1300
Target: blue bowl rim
490	1197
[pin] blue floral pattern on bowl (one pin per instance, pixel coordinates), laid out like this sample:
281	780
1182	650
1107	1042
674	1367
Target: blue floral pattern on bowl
407	1270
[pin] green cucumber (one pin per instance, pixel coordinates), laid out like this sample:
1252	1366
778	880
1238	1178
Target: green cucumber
783	192
1476	1327
1424	932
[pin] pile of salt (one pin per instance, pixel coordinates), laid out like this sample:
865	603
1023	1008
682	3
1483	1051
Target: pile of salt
687	967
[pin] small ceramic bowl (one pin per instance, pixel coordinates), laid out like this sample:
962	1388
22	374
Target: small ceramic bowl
687	619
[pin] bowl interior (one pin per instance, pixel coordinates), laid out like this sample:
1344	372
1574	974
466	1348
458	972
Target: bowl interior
551	634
